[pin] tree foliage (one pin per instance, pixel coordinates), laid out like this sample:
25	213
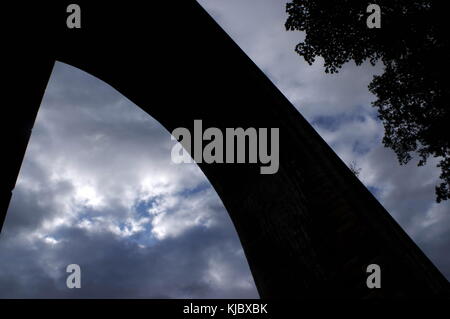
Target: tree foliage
412	93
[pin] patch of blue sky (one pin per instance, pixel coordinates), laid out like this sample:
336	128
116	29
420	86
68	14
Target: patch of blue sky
334	122
142	207
201	187
376	191
362	148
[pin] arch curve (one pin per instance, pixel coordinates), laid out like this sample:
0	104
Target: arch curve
177	64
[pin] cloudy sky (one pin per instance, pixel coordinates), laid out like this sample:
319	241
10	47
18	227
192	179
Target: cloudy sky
97	187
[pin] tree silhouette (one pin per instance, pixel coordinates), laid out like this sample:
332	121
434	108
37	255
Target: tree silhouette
412	93
353	166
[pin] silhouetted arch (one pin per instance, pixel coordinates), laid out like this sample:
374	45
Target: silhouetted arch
309	230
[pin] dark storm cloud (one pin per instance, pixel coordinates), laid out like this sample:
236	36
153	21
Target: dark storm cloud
113	268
